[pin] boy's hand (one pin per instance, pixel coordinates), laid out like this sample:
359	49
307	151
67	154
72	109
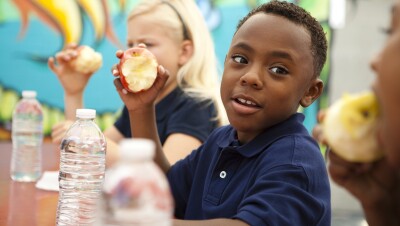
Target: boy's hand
136	101
72	81
368	182
375	185
317	132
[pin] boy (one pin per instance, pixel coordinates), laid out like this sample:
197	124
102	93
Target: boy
264	168
377	185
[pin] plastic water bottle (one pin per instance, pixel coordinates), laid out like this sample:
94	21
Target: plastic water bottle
27	139
82	168
136	191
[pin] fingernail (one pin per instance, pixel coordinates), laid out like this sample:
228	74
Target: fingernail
124	91
162	69
114	71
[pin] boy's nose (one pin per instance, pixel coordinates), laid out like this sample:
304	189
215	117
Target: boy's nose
251	79
375	62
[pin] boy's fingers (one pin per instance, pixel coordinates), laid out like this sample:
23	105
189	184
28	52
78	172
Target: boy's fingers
341	166
119	53
338	169
162	77
162	72
118	84
321	115
114	70
318	135
161	69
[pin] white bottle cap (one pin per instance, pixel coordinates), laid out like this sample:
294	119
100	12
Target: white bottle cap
85	113
136	149
29	93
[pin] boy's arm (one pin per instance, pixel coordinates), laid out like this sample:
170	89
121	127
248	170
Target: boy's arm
143	125
213	222
142	112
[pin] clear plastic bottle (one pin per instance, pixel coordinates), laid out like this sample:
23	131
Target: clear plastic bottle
82	168
136	191
27	139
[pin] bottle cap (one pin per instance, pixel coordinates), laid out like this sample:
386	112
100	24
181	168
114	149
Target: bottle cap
85	113
29	93
136	149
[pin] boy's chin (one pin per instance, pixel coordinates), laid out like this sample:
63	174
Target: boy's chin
246	131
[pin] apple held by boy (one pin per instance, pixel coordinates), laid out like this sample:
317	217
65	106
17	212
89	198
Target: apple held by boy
350	127
138	69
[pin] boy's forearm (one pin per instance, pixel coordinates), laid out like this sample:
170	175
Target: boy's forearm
72	102
143	125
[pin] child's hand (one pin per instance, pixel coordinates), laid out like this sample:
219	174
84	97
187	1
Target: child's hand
114	69
58	131
374	184
141	99
317	132
72	81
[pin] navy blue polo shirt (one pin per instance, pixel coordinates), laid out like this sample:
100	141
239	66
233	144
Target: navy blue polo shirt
177	113
278	178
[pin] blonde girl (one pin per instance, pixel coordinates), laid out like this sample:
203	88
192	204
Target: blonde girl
187	109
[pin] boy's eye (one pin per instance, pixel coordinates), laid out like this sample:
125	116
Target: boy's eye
279	70
239	59
387	31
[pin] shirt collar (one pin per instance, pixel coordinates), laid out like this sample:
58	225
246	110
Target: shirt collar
294	124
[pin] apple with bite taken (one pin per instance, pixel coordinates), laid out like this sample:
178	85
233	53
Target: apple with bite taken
350	127
88	60
138	69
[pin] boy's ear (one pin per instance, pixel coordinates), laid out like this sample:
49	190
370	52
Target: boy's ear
187	49
313	92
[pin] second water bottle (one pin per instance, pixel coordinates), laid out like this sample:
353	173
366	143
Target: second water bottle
82	167
136	191
27	138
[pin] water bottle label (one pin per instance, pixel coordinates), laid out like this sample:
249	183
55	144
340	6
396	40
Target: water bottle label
27	124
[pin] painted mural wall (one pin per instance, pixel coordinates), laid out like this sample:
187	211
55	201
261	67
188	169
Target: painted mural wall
33	30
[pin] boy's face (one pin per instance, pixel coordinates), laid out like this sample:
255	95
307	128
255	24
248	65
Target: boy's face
268	72
387	87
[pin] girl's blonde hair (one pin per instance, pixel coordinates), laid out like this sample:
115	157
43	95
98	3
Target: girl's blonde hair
199	76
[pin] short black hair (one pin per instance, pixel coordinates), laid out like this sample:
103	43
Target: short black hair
299	16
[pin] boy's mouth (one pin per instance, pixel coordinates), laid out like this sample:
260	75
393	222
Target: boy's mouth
245	106
246	102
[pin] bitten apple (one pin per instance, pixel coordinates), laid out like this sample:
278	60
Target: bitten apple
88	61
138	69
349	127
